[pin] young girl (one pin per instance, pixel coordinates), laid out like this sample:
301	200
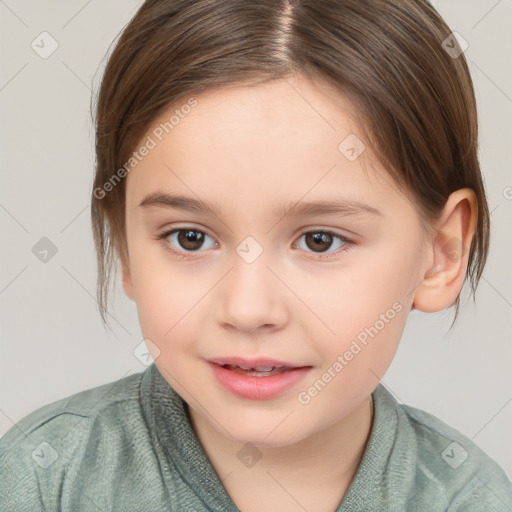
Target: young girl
282	182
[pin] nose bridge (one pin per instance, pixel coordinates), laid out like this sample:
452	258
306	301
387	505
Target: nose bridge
250	295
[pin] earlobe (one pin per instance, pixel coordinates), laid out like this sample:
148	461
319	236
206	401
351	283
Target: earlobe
443	281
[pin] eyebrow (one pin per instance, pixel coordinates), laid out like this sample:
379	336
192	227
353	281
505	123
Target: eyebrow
298	208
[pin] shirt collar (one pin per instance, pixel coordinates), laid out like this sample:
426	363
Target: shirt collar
167	412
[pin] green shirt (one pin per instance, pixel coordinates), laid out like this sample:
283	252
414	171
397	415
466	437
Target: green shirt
129	446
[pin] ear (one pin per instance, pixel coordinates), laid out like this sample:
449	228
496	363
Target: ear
127	281
450	246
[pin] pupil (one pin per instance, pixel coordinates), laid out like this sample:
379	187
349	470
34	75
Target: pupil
321	240
190	239
191	235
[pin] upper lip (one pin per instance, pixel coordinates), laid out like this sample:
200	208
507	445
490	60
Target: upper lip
254	363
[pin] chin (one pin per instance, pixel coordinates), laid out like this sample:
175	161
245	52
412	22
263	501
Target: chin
266	434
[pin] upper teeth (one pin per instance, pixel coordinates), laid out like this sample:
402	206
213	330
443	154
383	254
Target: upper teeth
257	368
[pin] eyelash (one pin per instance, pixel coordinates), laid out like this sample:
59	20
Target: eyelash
348	244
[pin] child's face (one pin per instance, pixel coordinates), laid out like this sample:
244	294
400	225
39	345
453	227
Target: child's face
303	300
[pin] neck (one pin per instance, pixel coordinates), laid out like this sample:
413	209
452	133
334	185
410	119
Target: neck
324	462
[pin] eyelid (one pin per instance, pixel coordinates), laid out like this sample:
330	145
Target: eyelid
166	230
352	237
334	231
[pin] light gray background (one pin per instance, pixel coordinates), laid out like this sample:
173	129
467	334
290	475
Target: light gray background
52	340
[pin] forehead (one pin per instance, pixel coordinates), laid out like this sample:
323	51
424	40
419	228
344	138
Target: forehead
291	106
258	144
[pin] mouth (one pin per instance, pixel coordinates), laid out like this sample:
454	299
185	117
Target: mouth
259	371
257	378
260	367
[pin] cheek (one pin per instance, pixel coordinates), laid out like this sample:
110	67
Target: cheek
166	306
367	337
350	300
365	310
165	293
355	360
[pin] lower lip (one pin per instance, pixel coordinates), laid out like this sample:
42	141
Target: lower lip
257	388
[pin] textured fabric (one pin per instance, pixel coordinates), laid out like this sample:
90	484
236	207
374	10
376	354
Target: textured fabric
129	446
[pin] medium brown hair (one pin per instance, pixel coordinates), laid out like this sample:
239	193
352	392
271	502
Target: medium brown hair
415	99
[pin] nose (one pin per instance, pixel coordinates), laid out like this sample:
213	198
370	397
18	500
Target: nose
251	298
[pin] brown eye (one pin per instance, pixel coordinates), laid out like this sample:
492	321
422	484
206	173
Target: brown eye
185	242
324	244
318	241
190	239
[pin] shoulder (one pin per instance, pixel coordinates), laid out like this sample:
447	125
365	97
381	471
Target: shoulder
454	466
44	447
